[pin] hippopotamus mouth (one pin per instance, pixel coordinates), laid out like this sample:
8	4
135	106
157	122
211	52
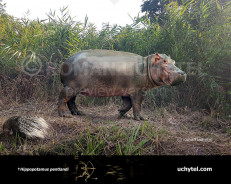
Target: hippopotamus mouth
164	81
180	79
167	80
173	78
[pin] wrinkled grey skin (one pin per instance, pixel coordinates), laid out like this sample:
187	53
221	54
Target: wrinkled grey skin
101	73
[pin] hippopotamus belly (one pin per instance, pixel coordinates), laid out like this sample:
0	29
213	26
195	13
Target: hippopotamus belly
104	92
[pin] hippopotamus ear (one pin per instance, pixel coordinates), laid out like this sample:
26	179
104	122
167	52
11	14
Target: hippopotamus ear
156	58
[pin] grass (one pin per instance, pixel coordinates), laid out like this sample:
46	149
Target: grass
2	149
228	131
120	142
133	144
90	145
103	134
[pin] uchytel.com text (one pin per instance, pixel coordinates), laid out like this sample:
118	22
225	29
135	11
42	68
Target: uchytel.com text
23	169
194	169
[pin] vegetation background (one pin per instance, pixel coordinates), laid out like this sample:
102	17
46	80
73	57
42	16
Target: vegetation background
195	33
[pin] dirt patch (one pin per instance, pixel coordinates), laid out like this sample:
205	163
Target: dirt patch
168	131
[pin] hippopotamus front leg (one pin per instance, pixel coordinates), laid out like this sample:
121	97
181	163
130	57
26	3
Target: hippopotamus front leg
126	106
137	99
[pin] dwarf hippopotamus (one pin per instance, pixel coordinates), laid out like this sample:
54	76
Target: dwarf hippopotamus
102	73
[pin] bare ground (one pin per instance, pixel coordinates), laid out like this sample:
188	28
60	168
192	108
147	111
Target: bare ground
168	131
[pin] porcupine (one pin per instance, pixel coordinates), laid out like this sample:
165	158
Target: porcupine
27	126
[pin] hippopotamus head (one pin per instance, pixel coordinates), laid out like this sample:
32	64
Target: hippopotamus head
162	70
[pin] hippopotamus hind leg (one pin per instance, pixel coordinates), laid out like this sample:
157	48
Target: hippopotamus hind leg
126	106
73	108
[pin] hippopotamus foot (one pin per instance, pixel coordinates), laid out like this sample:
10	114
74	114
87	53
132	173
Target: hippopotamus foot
139	117
122	115
64	114
80	113
62	110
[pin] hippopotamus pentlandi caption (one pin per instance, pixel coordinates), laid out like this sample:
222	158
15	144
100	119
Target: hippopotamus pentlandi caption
102	73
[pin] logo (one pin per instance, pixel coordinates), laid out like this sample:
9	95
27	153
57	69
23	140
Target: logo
31	65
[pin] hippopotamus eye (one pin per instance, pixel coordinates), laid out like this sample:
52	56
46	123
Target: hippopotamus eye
165	61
